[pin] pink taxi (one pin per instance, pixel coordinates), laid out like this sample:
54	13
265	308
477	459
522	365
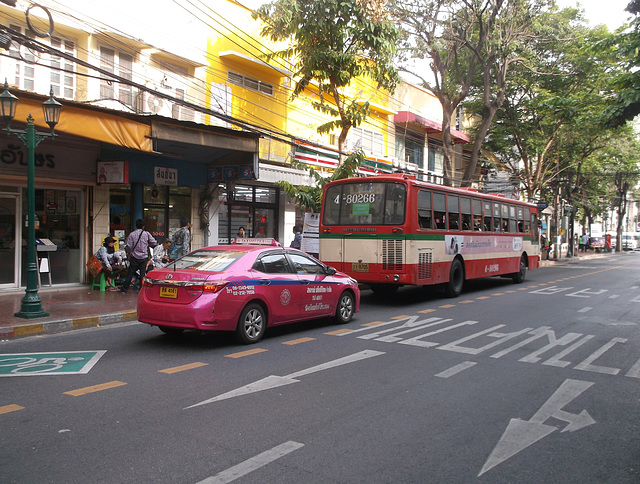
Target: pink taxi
244	288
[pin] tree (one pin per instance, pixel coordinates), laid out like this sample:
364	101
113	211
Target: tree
626	104
467	42
550	121
309	198
333	42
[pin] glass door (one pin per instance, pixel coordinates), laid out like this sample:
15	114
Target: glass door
9	227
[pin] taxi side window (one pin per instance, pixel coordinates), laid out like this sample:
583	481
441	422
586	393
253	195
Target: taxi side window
272	264
305	265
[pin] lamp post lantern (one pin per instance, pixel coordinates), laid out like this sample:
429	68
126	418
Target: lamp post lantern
31	306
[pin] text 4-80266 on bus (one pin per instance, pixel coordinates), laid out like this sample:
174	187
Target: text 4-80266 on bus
393	230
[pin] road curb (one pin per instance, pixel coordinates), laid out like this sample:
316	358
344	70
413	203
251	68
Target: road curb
35	328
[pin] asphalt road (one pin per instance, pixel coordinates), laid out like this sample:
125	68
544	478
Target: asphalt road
531	383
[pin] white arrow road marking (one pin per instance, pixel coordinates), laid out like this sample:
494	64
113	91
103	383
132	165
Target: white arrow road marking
520	434
274	381
252	464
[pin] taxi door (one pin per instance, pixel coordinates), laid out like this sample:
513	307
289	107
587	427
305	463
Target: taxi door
278	285
317	296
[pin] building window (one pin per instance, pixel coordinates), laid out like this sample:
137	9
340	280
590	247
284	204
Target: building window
410	146
370	141
249	83
119	63
62	77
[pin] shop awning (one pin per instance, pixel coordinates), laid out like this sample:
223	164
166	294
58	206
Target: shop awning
408	118
109	128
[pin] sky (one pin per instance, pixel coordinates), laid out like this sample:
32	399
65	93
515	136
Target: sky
608	12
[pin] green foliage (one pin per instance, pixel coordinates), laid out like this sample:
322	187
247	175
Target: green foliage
333	42
309	198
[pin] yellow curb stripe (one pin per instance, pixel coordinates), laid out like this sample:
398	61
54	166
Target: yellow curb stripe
177	369
95	388
10	408
91	321
245	353
426	311
298	341
374	323
28	329
339	331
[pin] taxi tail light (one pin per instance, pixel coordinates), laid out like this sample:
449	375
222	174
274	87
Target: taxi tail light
147	282
213	287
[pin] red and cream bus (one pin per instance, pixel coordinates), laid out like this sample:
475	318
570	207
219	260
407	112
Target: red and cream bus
393	230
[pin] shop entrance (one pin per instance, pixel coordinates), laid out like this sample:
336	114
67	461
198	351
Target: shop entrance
9	262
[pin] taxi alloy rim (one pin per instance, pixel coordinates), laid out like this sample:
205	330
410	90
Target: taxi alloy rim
253	323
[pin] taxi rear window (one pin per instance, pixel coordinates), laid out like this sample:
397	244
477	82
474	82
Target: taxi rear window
209	260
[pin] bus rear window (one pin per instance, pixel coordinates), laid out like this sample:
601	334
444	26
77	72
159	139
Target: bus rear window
365	203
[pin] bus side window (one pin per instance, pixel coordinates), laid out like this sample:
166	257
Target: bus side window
465	213
488	223
513	223
453	206
439	212
505	218
424	209
521	220
497	222
527	221
477	215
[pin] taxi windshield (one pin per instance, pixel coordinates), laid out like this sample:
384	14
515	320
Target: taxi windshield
209	260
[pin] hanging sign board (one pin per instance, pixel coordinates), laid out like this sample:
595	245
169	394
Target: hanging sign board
112	172
165	176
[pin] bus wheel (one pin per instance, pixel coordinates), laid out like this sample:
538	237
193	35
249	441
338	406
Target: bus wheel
518	277
453	288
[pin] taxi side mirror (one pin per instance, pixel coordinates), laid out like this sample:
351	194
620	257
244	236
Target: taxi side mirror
330	271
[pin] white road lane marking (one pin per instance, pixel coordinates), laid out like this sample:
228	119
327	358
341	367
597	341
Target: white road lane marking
585	309
520	434
274	381
456	369
252	464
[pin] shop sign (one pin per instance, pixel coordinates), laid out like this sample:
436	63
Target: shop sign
230	172
113	172
165	176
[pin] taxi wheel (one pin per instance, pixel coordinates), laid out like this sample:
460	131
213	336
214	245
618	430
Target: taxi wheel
344	312
252	324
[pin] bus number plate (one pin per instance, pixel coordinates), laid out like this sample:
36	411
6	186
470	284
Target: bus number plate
360	267
169	292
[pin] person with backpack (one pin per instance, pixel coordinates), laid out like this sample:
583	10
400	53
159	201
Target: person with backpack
181	239
138	243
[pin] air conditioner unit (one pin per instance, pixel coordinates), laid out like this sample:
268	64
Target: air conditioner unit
155	104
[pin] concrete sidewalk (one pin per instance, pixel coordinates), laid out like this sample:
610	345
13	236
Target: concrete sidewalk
77	306
70	307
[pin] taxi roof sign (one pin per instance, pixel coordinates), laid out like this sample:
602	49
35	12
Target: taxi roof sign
256	241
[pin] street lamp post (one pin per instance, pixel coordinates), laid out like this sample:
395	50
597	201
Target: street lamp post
31	306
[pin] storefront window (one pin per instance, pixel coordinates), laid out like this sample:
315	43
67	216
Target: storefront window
254	208
58	219
120	211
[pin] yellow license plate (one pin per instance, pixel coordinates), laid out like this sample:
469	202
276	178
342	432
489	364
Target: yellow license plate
169	292
360	267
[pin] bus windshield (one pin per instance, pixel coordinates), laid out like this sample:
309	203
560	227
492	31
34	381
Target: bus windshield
365	203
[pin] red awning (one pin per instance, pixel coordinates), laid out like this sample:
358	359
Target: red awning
407	117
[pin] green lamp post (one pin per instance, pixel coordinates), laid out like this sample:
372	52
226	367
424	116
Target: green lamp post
31	306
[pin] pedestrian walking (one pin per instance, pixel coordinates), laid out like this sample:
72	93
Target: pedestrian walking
297	238
181	240
139	241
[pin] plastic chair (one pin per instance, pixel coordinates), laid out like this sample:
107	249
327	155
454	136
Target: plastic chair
100	282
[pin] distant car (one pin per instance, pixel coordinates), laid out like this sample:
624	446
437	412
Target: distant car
244	288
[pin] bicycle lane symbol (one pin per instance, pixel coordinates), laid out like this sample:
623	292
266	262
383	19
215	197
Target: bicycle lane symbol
66	363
